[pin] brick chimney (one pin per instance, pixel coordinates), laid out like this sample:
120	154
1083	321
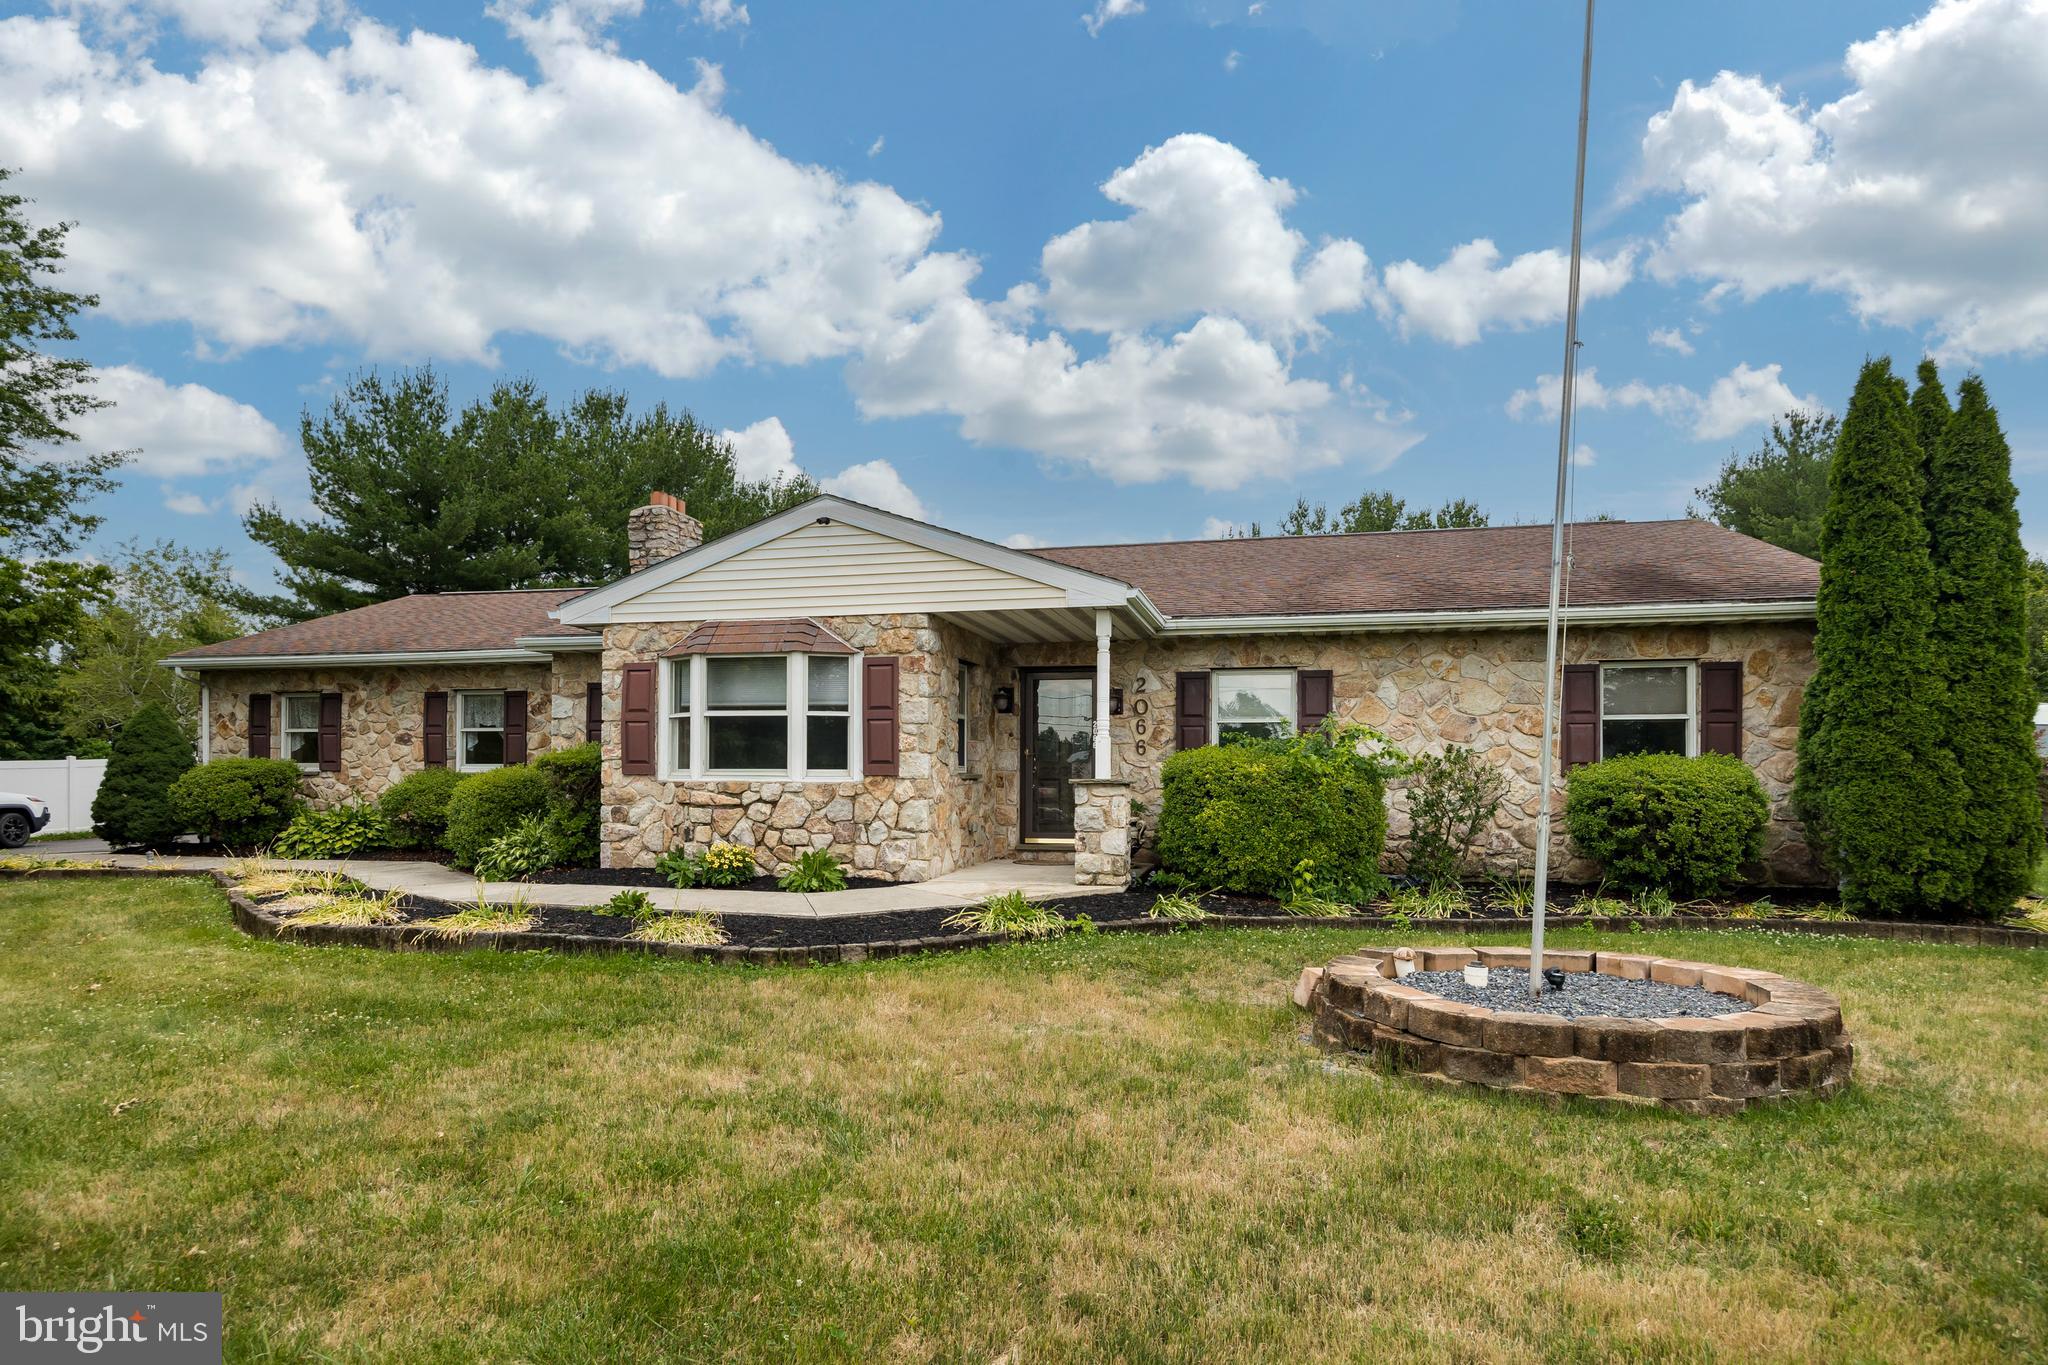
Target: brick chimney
660	530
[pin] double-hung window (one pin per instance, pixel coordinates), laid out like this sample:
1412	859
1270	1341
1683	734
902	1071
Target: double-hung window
302	729
754	715
480	730
961	677
1252	703
1647	709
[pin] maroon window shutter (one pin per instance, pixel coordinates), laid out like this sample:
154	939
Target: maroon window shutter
636	720
330	732
593	712
434	730
1581	714
880	733
1190	710
1721	707
515	727
1314	695
259	725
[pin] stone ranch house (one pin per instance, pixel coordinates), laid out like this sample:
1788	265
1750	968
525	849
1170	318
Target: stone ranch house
917	700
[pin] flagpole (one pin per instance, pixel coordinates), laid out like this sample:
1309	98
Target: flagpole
1547	761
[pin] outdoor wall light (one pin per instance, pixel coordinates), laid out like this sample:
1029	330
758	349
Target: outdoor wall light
1006	701
1116	701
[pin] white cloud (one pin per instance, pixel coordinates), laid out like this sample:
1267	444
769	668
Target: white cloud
1107	10
1584	457
877	484
1024	540
1219	528
1671	339
188	504
174	429
1205	235
229	23
1744	397
1911	195
875	147
1230	62
721	14
1471	292
763	450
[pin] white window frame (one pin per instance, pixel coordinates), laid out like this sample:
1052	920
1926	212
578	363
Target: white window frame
1691	716
461	728
1216	699
797	711
285	732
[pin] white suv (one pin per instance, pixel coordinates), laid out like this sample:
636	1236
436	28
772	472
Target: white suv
21	816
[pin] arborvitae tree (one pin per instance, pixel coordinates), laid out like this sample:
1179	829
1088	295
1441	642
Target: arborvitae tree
1930	418
1877	787
134	804
1980	647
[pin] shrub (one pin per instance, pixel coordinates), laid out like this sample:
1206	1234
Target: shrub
134	803
335	833
637	906
1658	822
1242	817
725	865
240	802
1452	796
488	805
518	853
417	806
575	782
815	870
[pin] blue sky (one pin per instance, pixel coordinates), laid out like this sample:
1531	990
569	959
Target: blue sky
1058	271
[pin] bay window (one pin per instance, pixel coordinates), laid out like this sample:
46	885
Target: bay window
1647	709
760	715
1252	703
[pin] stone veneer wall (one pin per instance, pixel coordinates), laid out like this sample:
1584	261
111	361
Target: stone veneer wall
931	818
381	714
1426	689
1102	832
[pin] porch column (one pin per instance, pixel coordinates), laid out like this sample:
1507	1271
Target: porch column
1101	744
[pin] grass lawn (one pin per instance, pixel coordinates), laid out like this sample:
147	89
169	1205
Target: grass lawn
1092	1149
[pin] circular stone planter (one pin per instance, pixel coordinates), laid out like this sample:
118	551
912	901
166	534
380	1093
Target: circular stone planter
1789	1041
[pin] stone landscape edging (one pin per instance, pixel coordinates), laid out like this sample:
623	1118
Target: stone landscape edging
1789	1042
375	936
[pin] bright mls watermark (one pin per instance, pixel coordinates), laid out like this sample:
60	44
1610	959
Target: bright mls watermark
177	1329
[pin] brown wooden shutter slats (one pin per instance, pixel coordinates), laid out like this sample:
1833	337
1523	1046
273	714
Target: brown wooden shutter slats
880	731
636	720
1581	739
1721	707
330	732
1190	710
259	725
515	727
434	730
593	712
1315	691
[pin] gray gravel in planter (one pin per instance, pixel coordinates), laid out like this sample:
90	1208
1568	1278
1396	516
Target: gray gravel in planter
1585	994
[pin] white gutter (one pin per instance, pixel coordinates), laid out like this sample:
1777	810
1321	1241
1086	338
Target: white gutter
1638	613
446	656
557	644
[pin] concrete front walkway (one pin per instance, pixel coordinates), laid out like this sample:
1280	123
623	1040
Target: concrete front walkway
1040	881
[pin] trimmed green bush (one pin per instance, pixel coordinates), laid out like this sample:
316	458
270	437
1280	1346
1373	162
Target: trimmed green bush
417	806
1660	822
489	805
239	802
1242	817
575	779
334	833
133	805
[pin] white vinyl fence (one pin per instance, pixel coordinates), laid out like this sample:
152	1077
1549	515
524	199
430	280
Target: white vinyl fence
68	784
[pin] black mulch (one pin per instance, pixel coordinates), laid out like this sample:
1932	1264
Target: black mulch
648	877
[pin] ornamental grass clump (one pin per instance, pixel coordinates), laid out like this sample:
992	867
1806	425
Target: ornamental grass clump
1662	823
698	929
1011	912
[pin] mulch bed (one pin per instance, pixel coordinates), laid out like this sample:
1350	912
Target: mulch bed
648	877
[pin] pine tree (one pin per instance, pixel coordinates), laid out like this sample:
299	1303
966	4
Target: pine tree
1878	789
134	802
1980	648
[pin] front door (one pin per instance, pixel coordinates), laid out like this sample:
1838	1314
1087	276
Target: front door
1059	746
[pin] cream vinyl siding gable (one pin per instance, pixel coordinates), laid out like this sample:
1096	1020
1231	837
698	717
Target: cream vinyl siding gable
834	570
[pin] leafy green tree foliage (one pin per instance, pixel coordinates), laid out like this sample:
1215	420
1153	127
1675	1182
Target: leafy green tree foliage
163	598
43	594
1373	510
2037	626
1778	492
508	492
1876	786
1980	645
133	805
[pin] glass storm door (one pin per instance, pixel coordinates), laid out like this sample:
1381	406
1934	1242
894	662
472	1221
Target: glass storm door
1059	718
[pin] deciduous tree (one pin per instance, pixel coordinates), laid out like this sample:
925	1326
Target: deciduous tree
1779	491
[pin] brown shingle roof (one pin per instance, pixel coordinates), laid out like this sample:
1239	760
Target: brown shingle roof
422	623
1613	563
798	636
